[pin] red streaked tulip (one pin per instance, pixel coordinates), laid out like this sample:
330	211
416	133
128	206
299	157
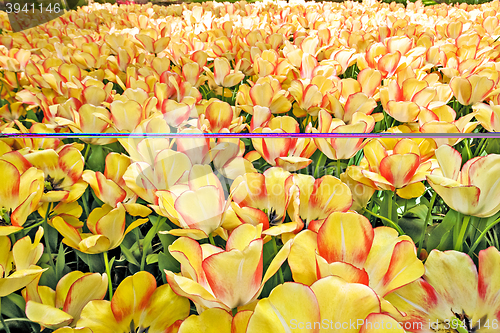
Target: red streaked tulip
330	304
227	279
18	265
471	190
452	291
346	245
62	307
107	230
137	304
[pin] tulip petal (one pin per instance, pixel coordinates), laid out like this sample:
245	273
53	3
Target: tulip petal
345	237
47	315
210	321
287	304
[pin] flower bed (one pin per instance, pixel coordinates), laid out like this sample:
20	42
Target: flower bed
266	167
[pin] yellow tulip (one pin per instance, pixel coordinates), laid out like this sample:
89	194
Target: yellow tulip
226	279
470	190
18	265
137	304
62	307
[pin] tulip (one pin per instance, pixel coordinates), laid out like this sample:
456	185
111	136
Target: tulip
62	307
401	169
216	320
110	186
263	199
18	265
226	279
470	190
266	92
291	154
63	170
107	230
198	207
340	148
223	75
453	294
138	304
330	304
470	90
488	116
347	246
318	198
20	192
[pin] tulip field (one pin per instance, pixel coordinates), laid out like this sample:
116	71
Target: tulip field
264	167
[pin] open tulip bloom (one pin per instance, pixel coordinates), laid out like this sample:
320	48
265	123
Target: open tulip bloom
251	167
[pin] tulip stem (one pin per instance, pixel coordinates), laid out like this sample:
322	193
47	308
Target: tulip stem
480	148
5	327
461	235
394	225
45	236
280	272
481	236
426	223
211	239
108	272
316	175
337	169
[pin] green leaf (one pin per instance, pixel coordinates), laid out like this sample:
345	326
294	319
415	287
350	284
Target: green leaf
152	258
60	262
96	160
439	237
94	261
169	263
13	306
128	255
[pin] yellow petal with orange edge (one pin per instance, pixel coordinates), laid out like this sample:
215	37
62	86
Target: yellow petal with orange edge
242	236
235	276
399	169
209	208
73	330
194	291
46	315
276	263
403	269
63	287
87	288
233	79
344	270
381	323
462	90
461	198
132	296
292	163
488	282
71	235
9	191
126	115
209	321
116	165
112	225
93	244
281	229
288	304
19	279
6	230
135	209
301	258
358	102
98	316
481	87
191	233
403	111
240	321
261	94
189	254
164	309
411	191
348	297
454	277
345	237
